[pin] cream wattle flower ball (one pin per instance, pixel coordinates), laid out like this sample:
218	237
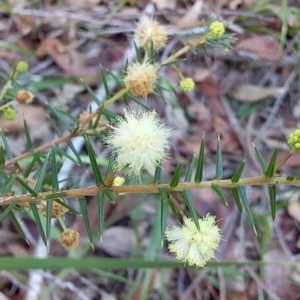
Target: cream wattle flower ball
140	141
194	246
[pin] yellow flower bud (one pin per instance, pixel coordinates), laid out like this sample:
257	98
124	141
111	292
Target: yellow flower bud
217	29
187	84
294	140
9	113
22	66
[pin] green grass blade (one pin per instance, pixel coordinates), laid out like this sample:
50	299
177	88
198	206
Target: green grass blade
237	175
42	172
246	208
101	207
163	213
216	188
37	218
219	162
188	177
272	194
186	195
261	160
200	163
92	156
28	137
8	209
84	211
176	176
271	167
236	197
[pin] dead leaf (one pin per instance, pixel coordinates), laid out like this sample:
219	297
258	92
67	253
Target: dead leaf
192	15
164	4
253	93
69	60
265	46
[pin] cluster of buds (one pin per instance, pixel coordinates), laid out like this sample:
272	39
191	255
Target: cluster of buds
294	140
57	209
70	238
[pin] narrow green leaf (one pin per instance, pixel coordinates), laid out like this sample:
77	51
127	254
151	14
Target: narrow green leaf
200	163
261	160
157	175
176	176
237	175
110	164
54	170
137	52
271	167
28	137
30	166
216	188
26	186
37	218
246	207
108	194
17	225
173	208
272	194
71	146
104	81
84	211
92	156
163	212
6	146
94	96
8	209
2	156
56	195
236	197
219	162
101	207
49	205
188	177
64	204
41	176
186	195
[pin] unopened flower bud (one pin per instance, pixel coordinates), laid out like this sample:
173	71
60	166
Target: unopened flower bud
187	84
294	140
24	97
9	113
22	66
217	29
70	238
140	79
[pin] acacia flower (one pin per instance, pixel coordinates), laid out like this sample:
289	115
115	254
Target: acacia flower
150	31
140	141
24	96
70	238
140	79
193	246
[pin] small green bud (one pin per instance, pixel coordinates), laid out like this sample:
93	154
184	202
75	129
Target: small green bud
9	113
22	67
294	140
187	84
217	29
